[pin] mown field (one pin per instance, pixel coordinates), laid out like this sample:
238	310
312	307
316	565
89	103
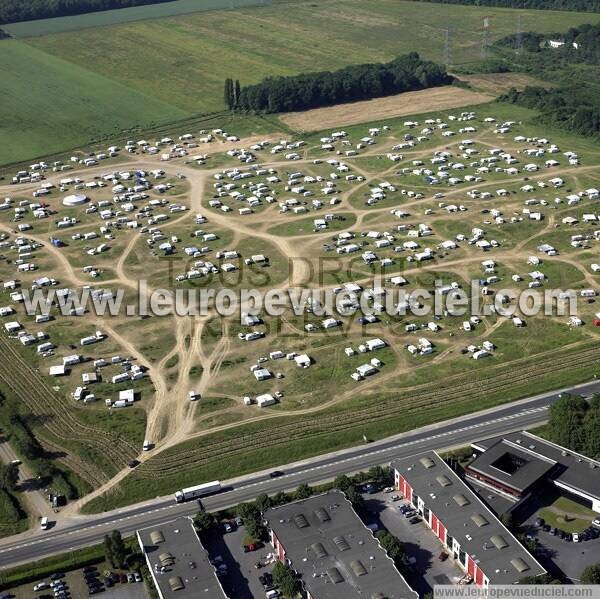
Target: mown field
184	60
64	90
48	104
122	15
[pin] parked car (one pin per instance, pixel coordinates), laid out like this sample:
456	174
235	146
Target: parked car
539	522
443	556
396	497
553	531
596	522
130	577
137	576
414	520
575	537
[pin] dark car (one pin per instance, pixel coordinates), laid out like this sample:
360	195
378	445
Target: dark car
56	576
443	556
133	463
90	569
108	581
414	520
276	474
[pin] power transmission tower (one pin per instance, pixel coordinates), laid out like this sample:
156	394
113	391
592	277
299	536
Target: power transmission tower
485	38
519	40
448	47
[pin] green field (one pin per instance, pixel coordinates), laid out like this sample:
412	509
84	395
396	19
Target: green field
48	105
121	15
65	90
184	60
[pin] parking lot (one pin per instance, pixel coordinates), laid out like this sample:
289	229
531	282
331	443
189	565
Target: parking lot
241	580
75	588
421	546
569	557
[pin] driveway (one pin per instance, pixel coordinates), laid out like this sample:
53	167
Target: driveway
419	543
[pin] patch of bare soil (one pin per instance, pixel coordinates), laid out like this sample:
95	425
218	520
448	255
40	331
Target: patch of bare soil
427	100
498	83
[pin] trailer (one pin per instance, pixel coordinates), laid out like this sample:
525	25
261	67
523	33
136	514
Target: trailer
197	491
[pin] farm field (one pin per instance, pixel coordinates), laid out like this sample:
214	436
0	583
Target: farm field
59	105
451	196
96	83
122	15
429	100
281	39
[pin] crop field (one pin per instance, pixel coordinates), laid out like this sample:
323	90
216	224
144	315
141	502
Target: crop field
123	15
445	200
192	55
49	105
429	100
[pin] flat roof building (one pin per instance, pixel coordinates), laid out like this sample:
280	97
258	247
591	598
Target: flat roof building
336	555
178	562
472	535
516	463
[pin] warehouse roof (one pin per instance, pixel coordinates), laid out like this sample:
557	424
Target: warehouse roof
543	458
176	546
480	534
336	555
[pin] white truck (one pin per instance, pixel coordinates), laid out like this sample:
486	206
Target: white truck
197	491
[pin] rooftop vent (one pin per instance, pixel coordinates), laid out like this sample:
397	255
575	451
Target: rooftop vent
301	521
427	462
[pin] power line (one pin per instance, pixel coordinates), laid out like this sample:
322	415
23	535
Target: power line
519	40
448	47
485	38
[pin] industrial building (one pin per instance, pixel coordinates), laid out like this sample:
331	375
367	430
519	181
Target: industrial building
468	531
516	464
334	553
178	563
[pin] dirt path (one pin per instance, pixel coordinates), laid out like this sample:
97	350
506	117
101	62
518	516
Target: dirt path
172	417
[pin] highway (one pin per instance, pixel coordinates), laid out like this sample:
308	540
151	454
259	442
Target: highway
79	531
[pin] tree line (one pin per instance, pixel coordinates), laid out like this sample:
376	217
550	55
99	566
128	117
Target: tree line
577	5
325	88
574	423
559	107
14	11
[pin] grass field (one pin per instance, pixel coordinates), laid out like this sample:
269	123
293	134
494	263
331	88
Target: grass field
48	104
192	55
122	15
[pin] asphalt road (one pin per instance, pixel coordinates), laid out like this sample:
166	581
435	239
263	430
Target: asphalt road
80	531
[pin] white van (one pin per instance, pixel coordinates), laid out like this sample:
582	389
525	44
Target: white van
44	524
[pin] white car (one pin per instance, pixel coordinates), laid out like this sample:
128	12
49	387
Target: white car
40	586
575	537
596	522
193	396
